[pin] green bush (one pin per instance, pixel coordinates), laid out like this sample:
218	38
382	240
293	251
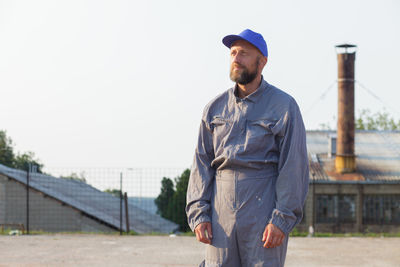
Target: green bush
171	202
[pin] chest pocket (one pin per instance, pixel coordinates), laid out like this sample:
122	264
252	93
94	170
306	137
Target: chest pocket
261	127
260	135
221	126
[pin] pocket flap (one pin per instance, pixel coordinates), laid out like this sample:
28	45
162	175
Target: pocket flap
265	123
217	120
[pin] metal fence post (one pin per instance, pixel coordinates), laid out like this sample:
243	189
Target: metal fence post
126	212
27	198
120	204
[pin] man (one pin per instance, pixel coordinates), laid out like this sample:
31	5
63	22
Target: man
249	177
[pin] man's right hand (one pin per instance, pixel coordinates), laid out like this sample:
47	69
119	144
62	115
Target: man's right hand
201	234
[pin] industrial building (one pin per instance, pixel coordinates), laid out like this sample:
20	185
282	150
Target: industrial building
354	175
40	202
366	200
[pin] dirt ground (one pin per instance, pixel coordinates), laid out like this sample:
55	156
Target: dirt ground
152	251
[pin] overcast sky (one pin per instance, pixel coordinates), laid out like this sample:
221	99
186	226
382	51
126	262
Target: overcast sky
124	83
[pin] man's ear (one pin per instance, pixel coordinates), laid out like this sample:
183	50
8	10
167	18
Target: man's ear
263	62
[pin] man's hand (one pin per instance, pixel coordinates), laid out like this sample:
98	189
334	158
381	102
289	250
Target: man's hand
272	236
200	232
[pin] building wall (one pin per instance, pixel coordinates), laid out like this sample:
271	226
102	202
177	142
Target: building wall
2	198
358	191
45	213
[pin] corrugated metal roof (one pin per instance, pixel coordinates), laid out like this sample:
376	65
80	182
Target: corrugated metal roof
100	205
377	154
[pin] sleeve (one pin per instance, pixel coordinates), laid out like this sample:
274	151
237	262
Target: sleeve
200	187
293	174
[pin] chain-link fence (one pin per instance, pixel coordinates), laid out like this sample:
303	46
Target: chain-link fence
83	200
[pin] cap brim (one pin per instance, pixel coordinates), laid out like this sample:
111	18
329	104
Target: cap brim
230	39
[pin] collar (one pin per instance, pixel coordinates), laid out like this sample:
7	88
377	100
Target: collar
255	96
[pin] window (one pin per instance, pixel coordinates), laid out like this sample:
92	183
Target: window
381	209
335	208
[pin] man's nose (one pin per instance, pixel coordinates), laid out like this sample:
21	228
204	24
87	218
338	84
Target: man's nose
236	59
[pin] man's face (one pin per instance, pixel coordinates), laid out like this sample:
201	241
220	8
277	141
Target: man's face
245	62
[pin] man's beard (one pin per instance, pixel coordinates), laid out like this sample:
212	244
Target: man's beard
245	76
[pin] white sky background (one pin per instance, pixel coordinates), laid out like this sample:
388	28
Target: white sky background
124	83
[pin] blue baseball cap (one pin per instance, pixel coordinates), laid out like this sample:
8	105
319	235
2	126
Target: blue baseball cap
254	38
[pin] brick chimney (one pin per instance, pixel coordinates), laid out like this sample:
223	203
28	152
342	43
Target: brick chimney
345	161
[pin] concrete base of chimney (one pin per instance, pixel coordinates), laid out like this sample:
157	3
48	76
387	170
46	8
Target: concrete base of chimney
345	163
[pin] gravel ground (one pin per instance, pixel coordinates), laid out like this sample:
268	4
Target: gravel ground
152	251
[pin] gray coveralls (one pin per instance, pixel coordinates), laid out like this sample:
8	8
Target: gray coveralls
250	168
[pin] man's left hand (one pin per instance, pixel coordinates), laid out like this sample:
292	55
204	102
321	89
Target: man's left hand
272	236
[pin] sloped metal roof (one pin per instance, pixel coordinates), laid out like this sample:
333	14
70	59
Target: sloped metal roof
377	154
91	201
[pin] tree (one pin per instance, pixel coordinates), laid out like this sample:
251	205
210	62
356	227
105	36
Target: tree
76	177
26	160
179	200
377	121
381	121
6	150
164	199
171	202
114	192
19	161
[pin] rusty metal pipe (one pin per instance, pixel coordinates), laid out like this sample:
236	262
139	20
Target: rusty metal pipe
345	156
